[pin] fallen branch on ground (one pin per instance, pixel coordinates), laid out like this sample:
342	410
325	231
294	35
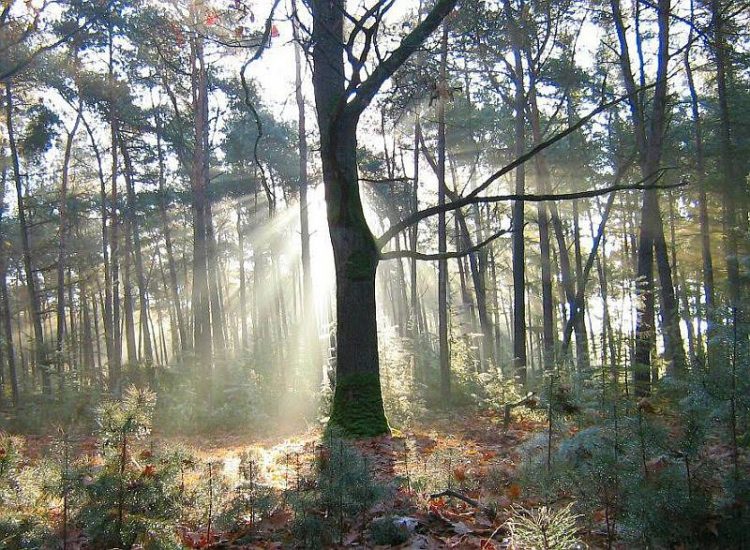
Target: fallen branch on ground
487	511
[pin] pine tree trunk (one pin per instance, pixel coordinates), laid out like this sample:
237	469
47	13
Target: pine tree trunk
34	302
311	350
148	353
5	312
444	351
518	256
174	290
652	244
202	336
62	251
129	300
218	323
582	348
705	232
413	233
245	335
732	203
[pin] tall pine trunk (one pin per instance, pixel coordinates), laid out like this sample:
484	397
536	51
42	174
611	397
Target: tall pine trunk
34	302
518	256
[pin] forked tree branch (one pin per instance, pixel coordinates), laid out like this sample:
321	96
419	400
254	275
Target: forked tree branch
366	91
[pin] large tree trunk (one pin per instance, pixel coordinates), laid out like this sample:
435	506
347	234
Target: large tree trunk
357	404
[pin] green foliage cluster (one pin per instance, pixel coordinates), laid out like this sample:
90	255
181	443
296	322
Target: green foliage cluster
342	492
130	500
24	520
659	471
389	531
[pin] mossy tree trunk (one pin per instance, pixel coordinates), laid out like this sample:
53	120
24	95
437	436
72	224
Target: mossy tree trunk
357	403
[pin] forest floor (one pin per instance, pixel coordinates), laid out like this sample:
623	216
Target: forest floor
452	482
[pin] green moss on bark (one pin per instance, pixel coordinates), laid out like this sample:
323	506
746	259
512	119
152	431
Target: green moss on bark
357	409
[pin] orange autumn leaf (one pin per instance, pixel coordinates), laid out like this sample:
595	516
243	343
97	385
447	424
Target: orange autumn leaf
488	455
514	491
459	472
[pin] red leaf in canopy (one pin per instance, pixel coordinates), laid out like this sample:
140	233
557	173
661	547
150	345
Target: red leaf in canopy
212	18
274	31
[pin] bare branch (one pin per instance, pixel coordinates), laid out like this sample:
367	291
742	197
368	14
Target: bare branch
472	197
411	42
394	254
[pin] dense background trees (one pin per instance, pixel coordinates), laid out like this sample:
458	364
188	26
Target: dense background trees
169	199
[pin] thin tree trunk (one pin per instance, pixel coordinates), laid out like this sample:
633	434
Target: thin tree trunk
182	333
127	290
310	347
218	324
35	307
518	257
582	348
700	168
652	244
243	286
5	312
413	232
115	362
732	199
444	352
62	251
148	352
